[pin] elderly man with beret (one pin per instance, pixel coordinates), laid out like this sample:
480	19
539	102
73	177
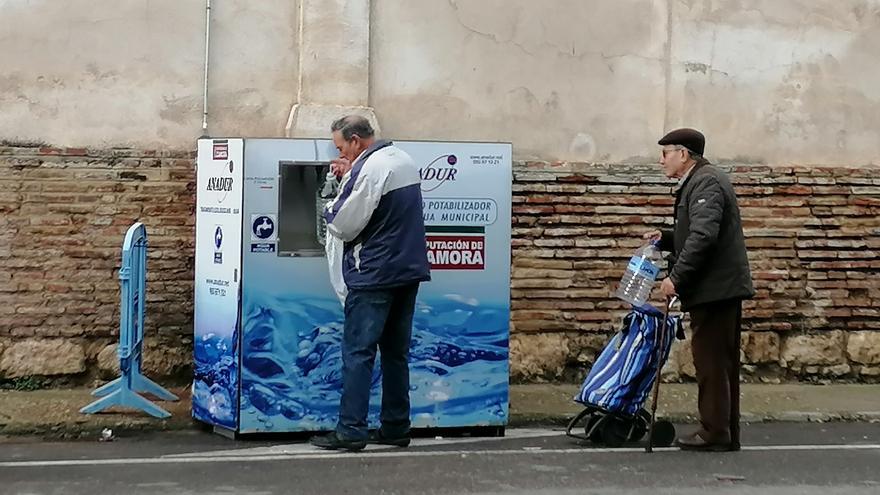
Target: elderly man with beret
709	271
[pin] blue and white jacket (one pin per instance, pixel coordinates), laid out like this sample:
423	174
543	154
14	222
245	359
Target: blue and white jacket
378	214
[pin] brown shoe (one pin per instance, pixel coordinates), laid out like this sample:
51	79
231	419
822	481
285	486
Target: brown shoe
696	442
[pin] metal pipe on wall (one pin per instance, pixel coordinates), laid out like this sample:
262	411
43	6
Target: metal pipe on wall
207	51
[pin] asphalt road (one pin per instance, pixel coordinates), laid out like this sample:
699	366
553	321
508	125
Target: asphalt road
776	459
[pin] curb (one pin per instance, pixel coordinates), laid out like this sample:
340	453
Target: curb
91	430
132	427
555	420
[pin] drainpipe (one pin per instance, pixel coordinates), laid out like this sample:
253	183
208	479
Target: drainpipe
207	46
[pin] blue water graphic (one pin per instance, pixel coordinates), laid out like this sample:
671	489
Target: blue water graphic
291	364
215	381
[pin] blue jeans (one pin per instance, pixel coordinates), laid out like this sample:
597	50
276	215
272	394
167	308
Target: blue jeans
376	318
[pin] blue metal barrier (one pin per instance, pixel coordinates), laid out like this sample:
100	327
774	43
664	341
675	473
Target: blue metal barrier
124	390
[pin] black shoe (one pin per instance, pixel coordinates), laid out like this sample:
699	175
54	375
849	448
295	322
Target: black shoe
332	441
696	442
377	437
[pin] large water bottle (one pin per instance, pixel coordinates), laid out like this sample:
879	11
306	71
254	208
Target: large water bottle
325	195
637	282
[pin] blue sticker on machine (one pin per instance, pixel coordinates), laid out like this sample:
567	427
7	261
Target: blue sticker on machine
263	227
263	247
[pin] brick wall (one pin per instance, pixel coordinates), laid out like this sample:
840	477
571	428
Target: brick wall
63	216
813	236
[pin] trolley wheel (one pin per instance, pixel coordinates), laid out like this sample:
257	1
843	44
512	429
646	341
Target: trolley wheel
615	432
664	433
596	435
640	425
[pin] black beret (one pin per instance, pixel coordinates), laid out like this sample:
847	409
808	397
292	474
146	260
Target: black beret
691	139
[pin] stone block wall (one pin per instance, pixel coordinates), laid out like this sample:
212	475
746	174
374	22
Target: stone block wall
63	216
813	236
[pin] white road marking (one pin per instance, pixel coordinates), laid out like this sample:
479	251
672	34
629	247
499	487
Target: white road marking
305	448
393	454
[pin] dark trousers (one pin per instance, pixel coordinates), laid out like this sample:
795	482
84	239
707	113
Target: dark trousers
716	349
382	319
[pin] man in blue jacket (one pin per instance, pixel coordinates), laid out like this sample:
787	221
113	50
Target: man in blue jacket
378	215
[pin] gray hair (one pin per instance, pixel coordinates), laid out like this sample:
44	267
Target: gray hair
692	155
353	125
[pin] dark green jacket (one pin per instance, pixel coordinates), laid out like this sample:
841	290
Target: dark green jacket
709	261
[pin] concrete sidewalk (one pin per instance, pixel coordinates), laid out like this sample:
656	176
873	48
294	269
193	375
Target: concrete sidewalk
551	404
55	413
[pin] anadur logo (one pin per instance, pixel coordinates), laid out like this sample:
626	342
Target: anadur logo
222	184
440	170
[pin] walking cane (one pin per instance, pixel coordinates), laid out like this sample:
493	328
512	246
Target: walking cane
660	342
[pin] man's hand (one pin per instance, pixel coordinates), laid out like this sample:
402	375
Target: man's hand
667	287
653	235
340	166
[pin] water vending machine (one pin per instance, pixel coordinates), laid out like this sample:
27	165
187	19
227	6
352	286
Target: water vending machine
268	324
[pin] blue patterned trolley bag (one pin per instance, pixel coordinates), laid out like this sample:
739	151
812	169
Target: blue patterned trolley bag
622	377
